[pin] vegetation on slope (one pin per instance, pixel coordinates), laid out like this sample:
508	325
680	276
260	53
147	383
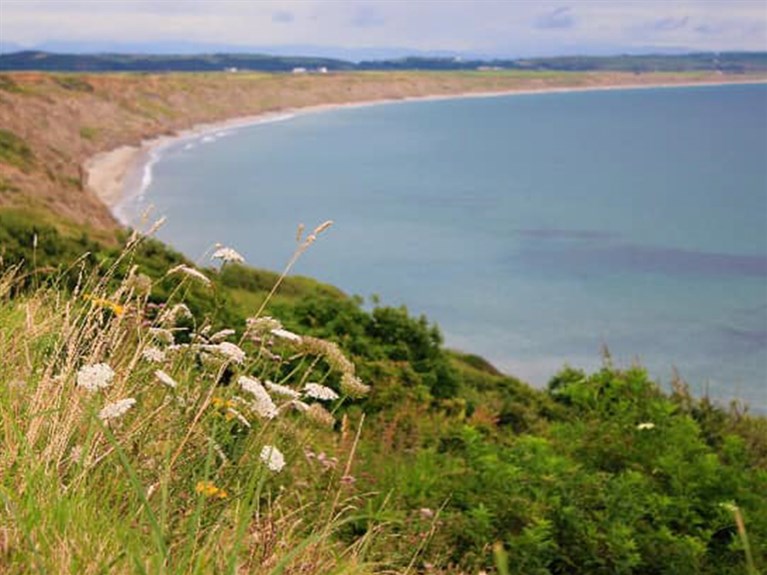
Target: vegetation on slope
458	468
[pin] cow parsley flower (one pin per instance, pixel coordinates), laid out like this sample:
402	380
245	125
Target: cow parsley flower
262	403
165	379
264	324
117	409
273	458
281	390
153	354
320	392
228	255
229	350
285	334
222	335
96	376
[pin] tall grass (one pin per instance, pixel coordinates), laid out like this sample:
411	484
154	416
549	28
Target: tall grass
133	444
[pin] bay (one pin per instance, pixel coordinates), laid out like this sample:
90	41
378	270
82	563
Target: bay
534	229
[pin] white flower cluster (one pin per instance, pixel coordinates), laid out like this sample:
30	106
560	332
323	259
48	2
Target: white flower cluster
227	255
229	351
317	391
262	403
153	354
222	335
117	409
282	390
285	334
96	376
258	325
645	426
273	458
165	379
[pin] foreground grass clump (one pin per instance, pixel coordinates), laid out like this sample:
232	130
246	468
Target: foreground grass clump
136	440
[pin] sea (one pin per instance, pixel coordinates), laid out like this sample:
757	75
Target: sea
537	230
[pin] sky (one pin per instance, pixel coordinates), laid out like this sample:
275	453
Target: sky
488	28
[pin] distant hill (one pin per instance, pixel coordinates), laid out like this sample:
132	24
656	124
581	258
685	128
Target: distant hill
731	62
47	61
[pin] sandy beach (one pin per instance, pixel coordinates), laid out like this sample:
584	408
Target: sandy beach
118	175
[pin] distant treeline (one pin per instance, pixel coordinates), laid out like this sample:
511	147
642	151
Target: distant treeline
731	62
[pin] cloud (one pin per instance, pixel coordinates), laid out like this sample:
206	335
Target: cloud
558	18
283	17
494	28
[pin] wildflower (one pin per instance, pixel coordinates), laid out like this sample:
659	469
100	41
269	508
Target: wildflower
191	272
327	462
165	379
221	403
228	255
76	453
262	404
282	390
262	324
352	386
229	350
96	376
221	335
320	415
285	334
117	409
646	425
273	458
154	354
208	489
348	480
320	392
115	308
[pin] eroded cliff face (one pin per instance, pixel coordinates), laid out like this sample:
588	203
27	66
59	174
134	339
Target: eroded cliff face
50	124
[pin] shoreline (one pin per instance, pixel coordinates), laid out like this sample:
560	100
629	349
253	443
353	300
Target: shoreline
122	174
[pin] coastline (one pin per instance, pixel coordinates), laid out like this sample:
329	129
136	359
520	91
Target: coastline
121	175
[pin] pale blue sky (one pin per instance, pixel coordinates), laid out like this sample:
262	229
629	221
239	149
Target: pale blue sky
487	27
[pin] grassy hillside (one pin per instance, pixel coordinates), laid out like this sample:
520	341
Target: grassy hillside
417	460
158	418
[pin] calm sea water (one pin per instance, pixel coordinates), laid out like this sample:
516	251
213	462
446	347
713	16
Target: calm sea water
535	229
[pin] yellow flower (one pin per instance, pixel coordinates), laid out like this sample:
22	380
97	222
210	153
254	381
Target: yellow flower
208	489
116	308
221	403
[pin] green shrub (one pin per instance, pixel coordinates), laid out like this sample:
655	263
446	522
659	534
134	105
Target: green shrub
14	151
